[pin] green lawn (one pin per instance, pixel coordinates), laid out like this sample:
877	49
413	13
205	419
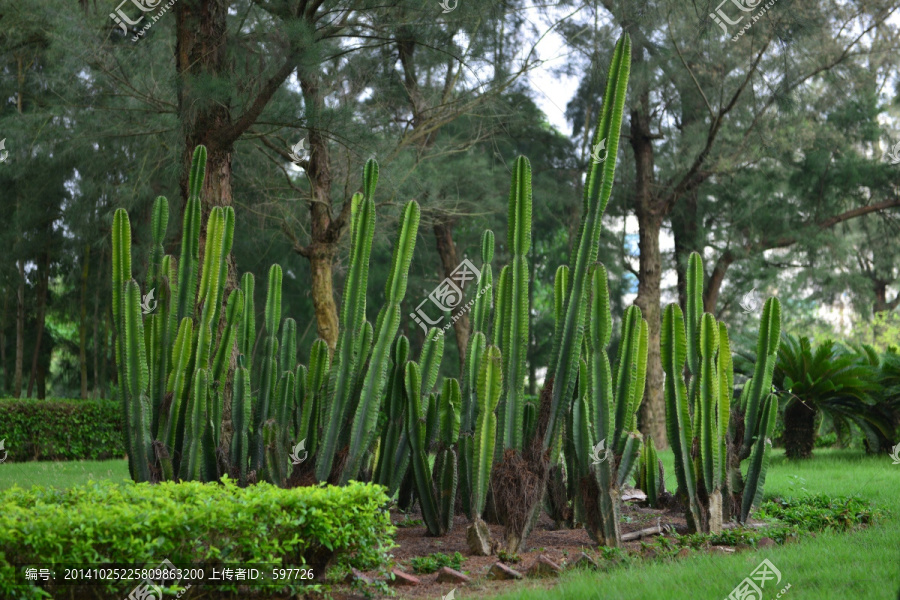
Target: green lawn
832	566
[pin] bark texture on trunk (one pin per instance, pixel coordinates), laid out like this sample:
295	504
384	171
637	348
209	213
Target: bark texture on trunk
799	429
82	324
43	284
650	215
443	235
20	331
326	230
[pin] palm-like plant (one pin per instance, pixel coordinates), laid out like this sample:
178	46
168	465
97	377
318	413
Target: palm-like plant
829	380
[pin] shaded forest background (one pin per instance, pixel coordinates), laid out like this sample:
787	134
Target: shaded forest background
772	155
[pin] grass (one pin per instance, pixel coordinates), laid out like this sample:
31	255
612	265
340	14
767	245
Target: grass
831	566
62	474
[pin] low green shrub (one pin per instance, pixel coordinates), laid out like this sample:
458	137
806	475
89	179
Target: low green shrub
60	429
192	525
433	562
820	512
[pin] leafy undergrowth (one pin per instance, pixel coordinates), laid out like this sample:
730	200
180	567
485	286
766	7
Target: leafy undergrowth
796	517
433	562
821	512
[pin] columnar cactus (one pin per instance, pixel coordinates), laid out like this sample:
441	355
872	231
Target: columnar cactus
650	474
477	341
176	371
703	411
363	428
607	450
393	447
516	322
437	503
597	190
488	394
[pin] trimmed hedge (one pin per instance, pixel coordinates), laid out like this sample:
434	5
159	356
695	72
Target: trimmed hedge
61	429
191	523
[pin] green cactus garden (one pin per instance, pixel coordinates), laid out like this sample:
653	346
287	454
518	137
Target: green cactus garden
203	402
575	424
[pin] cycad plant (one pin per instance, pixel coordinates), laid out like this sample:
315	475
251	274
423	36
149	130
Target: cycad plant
828	380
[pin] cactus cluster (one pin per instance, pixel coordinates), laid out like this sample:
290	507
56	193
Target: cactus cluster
699	412
369	411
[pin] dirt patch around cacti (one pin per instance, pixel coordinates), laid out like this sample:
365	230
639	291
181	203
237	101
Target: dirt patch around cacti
562	546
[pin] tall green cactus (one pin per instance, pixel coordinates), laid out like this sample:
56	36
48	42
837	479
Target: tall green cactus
649	475
477	341
755	426
437	503
175	368
269	366
604	420
393	445
488	388
673	350
704	413
363	428
345	365
516	325
597	190
241	414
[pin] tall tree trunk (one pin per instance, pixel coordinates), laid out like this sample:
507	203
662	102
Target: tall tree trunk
43	285
443	235
82	325
325	231
3	344
650	214
799	429
107	344
96	341
201	55
20	331
685	230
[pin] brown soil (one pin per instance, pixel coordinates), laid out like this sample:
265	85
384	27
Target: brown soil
562	546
